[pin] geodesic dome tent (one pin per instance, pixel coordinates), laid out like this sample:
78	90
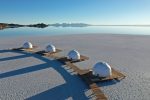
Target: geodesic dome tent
74	55
27	45
102	69
50	48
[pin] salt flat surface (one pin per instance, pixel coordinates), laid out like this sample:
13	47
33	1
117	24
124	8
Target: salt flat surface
27	76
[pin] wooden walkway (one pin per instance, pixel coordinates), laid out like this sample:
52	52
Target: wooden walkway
97	92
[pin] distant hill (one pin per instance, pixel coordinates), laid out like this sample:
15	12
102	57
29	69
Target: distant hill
70	25
6	25
40	25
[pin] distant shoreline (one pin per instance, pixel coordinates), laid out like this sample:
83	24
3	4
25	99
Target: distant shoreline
42	25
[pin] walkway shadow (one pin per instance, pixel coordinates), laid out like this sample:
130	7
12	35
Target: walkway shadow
23	70
74	86
3	51
13	57
74	90
54	93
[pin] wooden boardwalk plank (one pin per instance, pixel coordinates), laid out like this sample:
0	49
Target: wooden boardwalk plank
117	73
97	92
82	57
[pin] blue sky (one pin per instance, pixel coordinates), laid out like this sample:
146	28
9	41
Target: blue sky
85	11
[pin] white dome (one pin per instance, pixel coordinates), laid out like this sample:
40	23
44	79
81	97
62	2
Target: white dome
50	48
102	69
27	45
74	55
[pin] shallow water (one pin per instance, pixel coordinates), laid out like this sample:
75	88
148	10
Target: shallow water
27	31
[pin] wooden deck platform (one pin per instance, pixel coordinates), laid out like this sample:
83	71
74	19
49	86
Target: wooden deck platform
116	75
65	59
48	54
22	49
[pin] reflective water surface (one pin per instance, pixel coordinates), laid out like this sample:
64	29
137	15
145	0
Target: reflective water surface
28	31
